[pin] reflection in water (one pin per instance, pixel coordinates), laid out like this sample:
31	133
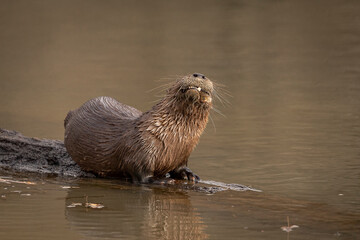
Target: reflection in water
134	212
158	212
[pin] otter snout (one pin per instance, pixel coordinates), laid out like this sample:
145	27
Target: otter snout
197	94
192	94
195	88
199	75
205	98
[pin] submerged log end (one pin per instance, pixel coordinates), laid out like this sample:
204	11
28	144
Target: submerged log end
24	154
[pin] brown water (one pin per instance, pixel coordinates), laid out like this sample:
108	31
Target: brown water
292	128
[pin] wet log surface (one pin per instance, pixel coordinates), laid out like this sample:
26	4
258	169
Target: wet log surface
24	154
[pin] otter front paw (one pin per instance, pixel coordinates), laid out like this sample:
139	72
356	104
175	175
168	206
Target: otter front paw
184	173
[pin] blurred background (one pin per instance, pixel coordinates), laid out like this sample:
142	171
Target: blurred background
292	68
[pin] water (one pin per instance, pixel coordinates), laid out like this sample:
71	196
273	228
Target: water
292	128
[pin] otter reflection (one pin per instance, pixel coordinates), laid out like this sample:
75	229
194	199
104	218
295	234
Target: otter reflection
144	212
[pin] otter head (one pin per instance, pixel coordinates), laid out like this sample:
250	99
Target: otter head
184	110
192	91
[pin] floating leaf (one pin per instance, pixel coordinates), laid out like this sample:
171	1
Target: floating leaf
8	181
288	229
68	187
74	205
93	205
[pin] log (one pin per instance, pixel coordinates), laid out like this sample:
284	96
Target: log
24	154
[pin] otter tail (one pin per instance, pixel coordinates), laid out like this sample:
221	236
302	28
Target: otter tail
67	119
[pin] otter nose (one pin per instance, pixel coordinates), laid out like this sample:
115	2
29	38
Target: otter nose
199	75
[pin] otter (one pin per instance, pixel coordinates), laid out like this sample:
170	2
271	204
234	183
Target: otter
111	139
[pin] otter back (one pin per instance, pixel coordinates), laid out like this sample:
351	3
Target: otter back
92	133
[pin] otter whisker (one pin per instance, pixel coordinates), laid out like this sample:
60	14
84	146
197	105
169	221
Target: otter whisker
223	91
161	87
219	112
212	122
218	94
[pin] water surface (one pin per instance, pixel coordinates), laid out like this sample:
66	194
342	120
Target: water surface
292	128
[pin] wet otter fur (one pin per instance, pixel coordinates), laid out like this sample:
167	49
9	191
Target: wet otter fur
111	139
